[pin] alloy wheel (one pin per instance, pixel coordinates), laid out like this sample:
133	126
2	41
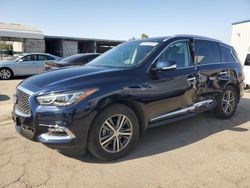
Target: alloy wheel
5	74
228	102
115	133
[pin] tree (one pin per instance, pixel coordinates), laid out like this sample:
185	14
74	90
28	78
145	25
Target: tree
143	36
5	45
133	38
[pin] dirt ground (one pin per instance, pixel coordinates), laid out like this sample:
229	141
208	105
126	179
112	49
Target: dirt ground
197	152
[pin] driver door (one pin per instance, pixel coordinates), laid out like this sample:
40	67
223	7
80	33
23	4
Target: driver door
175	88
27	65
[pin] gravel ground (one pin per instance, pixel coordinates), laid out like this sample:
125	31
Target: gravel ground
197	152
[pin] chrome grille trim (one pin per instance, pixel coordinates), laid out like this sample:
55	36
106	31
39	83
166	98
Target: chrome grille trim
23	96
19	113
25	90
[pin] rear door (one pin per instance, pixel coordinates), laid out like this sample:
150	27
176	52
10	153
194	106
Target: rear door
213	74
40	63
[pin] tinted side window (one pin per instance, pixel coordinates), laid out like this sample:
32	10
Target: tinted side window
41	58
49	57
206	52
247	61
29	58
177	52
226	54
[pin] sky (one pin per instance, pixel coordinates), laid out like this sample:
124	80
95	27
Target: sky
122	20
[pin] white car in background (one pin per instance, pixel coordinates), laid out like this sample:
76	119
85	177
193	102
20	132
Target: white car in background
247	71
25	64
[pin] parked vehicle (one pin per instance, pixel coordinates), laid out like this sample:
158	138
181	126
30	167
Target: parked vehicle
107	104
74	60
25	64
247	70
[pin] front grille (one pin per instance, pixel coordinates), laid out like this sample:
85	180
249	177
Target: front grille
23	102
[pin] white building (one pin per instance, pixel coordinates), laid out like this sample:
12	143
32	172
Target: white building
240	38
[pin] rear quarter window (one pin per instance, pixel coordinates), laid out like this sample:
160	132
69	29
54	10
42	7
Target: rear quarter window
49	58
227	54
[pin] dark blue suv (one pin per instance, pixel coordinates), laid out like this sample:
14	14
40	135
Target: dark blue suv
106	105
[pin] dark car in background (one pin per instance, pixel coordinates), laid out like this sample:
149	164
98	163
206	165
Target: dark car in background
106	105
74	60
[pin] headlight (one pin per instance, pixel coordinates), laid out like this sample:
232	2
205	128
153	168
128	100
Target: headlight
64	99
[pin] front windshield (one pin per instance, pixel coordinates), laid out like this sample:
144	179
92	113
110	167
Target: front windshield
125	55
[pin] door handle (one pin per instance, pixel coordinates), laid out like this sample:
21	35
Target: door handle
192	82
223	73
192	79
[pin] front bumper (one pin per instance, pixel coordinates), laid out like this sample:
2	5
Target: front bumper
56	134
65	129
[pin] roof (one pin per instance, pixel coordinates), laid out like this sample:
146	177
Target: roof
179	36
197	37
240	22
20	31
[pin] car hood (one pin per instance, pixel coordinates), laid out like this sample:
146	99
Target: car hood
7	62
69	78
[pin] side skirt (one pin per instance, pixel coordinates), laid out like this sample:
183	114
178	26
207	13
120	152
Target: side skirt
170	120
184	113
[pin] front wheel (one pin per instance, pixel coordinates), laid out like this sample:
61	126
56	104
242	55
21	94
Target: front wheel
226	103
113	133
5	74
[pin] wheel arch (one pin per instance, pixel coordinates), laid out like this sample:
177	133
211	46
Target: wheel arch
237	89
140	112
138	108
12	72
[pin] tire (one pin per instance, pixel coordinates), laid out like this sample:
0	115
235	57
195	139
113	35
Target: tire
106	143
5	74
226	103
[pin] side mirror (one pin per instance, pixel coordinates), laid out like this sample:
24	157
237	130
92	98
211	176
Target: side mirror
165	65
20	60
